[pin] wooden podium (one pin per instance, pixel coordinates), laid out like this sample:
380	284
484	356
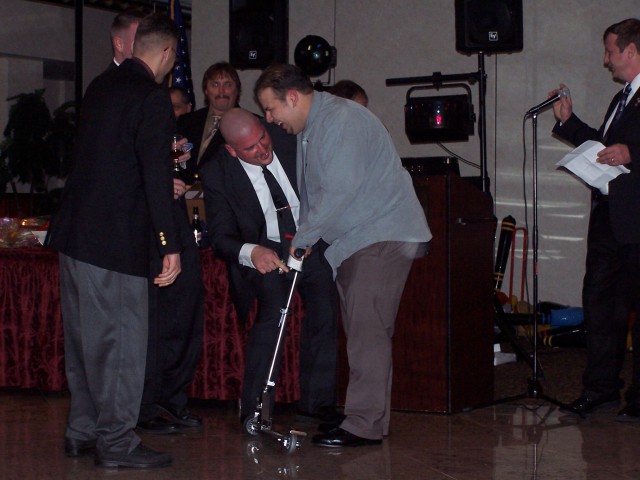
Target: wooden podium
443	342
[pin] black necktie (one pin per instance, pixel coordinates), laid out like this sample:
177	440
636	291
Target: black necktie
622	103
286	223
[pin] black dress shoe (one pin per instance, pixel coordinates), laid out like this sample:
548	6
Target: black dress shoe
322	415
590	401
182	417
157	426
78	448
328	426
630	413
341	438
140	457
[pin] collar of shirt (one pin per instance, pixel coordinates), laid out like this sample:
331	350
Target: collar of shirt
316	104
635	83
254	172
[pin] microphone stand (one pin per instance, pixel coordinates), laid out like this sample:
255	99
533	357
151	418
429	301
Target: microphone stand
534	388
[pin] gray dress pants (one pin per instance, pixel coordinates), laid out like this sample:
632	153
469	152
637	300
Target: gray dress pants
105	320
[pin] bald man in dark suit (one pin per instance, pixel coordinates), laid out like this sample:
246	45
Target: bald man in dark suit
244	232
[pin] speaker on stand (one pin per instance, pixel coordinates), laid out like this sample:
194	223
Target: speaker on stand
489	26
258	33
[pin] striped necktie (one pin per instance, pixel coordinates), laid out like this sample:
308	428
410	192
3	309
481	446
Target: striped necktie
622	102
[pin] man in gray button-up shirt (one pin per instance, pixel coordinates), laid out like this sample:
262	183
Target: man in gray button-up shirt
356	196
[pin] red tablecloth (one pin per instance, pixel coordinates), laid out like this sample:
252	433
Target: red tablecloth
31	343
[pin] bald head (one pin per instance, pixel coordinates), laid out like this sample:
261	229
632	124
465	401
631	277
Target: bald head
246	137
236	124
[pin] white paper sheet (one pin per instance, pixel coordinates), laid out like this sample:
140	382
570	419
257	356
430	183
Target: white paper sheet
581	161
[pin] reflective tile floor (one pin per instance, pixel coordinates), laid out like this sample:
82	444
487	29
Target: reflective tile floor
513	441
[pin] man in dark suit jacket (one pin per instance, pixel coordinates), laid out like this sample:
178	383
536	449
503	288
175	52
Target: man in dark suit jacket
176	324
244	232
176	314
117	197
611	282
221	87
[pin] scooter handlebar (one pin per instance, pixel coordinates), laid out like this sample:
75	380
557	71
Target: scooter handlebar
295	261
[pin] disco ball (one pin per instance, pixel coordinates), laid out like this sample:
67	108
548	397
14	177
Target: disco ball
314	55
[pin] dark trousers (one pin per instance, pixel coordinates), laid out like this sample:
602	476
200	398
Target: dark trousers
104	317
610	290
176	323
318	351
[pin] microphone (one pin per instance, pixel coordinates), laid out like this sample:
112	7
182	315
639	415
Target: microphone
564	92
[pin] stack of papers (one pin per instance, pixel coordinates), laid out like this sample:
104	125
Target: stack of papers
582	162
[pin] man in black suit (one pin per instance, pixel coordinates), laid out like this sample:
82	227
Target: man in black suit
221	87
176	314
116	200
243	226
176	324
611	282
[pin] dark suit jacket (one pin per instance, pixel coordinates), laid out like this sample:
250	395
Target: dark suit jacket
234	214
624	191
191	126
120	191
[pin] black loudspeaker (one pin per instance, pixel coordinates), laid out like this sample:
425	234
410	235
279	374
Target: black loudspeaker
489	26
258	33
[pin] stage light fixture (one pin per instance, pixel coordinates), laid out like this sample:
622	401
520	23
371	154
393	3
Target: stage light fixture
314	55
447	118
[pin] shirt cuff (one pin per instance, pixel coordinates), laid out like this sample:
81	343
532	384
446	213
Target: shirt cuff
244	257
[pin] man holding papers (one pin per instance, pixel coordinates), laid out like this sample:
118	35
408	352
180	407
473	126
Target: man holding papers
612	278
583	162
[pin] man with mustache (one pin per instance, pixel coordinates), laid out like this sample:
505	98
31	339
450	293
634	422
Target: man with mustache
221	87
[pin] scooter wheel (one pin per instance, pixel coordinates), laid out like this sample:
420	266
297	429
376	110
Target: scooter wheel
253	449
251	425
290	443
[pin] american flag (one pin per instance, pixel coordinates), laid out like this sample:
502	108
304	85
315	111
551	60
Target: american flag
181	75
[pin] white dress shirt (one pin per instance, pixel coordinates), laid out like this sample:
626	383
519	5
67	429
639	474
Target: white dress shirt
254	172
635	83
